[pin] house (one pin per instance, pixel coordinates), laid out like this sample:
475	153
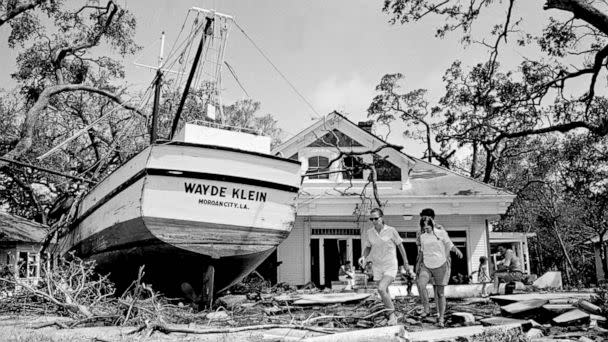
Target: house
333	206
20	242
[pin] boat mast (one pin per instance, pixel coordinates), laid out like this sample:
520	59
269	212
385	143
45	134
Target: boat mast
206	31
157	85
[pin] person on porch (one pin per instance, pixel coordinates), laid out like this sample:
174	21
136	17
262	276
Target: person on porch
508	269
381	248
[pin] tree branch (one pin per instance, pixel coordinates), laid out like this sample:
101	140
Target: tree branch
601	130
15	11
31	117
581	9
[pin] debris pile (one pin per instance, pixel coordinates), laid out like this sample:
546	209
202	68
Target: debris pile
284	313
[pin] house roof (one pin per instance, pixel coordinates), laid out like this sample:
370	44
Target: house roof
425	179
15	228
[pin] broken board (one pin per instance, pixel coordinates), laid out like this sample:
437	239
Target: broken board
558	309
330	298
589	307
462	332
395	333
508	299
573	317
523	307
504	321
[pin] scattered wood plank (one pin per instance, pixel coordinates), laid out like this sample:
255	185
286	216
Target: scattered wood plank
563	301
393	333
523	307
496	321
288	335
330	298
454	333
573	317
508	299
589	307
558	309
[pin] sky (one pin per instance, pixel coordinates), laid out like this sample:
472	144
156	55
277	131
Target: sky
334	53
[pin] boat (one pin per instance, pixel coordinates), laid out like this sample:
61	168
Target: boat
199	211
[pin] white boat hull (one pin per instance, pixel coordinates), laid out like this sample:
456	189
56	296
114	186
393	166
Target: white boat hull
190	204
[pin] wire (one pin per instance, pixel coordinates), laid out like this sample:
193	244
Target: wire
233	73
278	71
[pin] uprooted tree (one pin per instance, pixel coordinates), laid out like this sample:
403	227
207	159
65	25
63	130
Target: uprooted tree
64	83
61	60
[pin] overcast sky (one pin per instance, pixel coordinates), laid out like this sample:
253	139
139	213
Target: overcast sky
334	52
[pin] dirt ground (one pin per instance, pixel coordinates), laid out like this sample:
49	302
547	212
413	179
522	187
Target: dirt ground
25	329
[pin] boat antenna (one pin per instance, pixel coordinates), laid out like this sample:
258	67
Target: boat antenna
206	31
157	85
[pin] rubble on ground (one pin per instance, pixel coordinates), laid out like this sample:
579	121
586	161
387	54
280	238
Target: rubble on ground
285	313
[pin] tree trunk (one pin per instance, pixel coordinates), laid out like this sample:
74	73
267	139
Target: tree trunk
474	161
603	254
489	166
565	251
429	150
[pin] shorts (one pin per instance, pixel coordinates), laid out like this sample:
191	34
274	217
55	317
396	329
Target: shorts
439	275
380	272
509	276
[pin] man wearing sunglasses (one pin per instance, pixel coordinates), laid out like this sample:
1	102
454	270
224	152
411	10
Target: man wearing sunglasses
381	247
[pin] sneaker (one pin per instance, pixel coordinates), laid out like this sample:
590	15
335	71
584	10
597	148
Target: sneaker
440	323
392	321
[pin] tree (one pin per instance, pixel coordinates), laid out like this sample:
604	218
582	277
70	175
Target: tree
16	12
63	86
582	36
60	61
412	108
243	114
560	184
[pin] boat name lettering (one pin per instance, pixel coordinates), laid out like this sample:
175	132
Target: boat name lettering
223	204
222	191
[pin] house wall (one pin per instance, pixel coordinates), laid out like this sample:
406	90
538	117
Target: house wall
599	270
294	252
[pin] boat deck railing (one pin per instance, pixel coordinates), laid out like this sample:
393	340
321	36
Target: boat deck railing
224	126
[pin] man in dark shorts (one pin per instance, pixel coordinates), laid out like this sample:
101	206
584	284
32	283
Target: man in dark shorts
509	268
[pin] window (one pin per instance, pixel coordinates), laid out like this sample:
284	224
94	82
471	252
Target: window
318	164
32	265
355	167
28	265
22	265
386	171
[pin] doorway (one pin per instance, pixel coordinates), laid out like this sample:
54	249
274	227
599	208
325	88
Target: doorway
328	253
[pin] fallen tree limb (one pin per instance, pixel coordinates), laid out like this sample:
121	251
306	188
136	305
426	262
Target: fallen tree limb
61	325
167	330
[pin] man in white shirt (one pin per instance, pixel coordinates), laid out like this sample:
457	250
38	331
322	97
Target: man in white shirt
381	248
